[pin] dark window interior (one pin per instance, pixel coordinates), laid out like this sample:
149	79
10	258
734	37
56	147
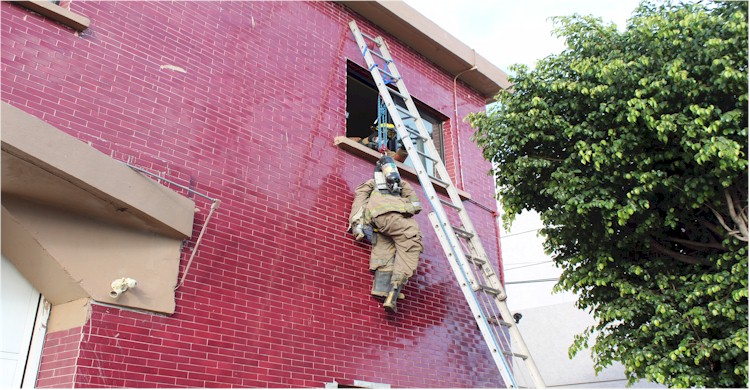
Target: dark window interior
362	106
362	111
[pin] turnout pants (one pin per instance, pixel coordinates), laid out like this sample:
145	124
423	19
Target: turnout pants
397	247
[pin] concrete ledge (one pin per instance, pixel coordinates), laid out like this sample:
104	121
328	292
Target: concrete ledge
43	163
55	12
39	267
368	154
436	44
74	219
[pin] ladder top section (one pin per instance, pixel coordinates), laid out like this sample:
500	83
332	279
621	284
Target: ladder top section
431	41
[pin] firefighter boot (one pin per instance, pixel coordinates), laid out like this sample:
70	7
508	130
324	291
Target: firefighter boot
381	283
393	296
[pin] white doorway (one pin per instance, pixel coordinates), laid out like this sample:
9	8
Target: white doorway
23	320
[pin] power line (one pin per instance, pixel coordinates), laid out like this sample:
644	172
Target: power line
529	265
534	281
519	233
512	263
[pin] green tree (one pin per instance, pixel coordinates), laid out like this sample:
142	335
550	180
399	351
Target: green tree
633	148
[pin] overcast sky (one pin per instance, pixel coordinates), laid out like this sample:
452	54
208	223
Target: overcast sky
515	31
509	32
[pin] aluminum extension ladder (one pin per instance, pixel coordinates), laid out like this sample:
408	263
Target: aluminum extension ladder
478	281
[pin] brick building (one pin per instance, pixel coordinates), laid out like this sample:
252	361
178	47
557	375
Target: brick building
204	149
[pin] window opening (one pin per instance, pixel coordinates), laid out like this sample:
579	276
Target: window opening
362	102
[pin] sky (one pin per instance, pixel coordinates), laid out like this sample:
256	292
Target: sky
507	32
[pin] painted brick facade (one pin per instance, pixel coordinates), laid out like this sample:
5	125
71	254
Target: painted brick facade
61	358
278	295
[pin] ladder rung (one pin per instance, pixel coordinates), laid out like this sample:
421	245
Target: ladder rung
518	355
397	93
462	232
376	54
426	156
415	132
444	183
385	72
405	111
475	260
450	204
487	289
494	320
369	37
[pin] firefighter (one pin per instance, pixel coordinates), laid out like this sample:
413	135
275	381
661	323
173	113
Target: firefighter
391	147
382	214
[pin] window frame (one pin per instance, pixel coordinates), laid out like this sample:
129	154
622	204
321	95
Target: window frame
434	120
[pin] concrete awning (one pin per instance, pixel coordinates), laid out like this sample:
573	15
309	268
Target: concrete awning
75	219
436	44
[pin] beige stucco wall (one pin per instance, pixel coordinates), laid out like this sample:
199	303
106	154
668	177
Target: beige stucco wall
93	253
69	315
74	220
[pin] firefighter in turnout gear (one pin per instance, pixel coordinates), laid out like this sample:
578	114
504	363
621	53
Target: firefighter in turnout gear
382	214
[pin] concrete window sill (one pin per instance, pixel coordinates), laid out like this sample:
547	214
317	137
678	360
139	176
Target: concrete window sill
368	154
59	14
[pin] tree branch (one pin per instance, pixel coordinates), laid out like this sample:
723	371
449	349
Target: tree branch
732	232
739	221
559	160
676	255
713	228
697	245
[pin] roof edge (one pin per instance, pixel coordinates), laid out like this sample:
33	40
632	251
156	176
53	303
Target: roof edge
437	45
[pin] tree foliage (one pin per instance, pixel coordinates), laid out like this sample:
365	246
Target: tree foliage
633	148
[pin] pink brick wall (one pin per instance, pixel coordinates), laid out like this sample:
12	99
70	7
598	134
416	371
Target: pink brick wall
61	350
278	295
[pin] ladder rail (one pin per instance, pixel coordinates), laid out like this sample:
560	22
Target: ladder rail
468	226
440	167
484	327
450	238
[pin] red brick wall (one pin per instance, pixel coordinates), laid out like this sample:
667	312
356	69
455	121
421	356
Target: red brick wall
61	350
278	295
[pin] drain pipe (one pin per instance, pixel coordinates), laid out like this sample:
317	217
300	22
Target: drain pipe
498	214
459	169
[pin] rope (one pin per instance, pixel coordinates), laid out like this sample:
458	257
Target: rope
384	124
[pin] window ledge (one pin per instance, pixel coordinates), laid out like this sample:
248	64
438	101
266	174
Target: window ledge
57	13
368	154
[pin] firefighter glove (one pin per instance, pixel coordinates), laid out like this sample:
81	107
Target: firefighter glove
358	231
369	234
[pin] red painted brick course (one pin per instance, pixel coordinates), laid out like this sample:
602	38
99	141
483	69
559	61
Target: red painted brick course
278	295
59	359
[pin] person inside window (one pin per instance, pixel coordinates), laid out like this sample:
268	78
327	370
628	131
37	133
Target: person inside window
392	147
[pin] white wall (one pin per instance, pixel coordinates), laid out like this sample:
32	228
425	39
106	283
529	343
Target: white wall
529	272
550	321
18	303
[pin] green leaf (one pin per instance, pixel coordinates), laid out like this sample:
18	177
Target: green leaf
629	144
